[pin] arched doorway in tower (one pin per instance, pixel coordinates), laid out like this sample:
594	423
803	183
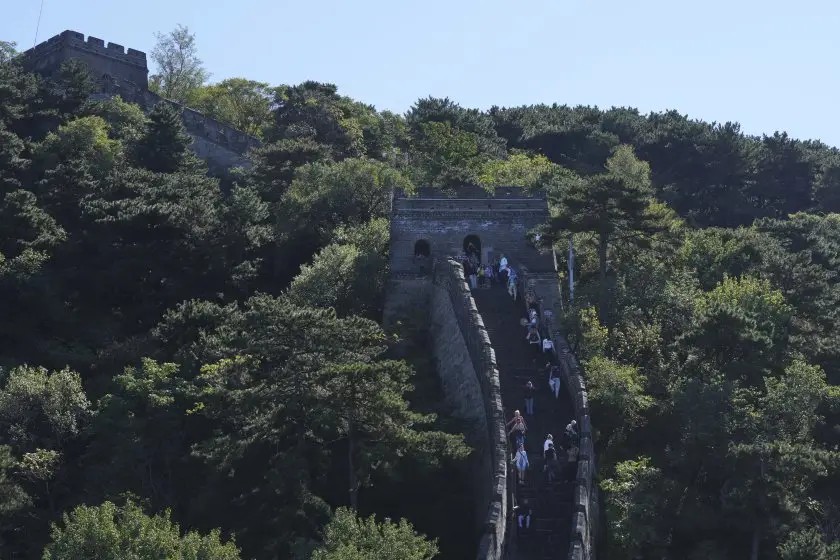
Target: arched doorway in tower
472	246
422	248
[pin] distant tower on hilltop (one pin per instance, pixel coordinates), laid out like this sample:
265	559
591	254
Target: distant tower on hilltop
112	59
122	72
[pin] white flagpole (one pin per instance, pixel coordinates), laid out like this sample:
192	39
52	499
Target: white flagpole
571	272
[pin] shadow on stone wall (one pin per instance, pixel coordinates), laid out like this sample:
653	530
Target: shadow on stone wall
450	275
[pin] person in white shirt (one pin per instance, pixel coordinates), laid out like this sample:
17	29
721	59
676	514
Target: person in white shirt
547	345
503	269
554	380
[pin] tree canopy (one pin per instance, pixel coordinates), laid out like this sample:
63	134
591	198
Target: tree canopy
191	371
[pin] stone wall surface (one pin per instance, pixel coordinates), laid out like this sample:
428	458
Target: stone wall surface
449	276
467	369
455	367
112	58
499	223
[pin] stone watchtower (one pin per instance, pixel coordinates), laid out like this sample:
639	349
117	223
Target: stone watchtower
127	67
122	72
428	292
431	226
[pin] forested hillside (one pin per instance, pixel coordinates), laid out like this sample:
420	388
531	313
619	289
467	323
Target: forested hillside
192	371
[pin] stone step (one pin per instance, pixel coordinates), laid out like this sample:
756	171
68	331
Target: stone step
519	362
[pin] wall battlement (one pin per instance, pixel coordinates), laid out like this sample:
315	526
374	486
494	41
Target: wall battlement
472	193
94	45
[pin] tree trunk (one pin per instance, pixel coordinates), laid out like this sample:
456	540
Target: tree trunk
603	239
756	538
354	481
276	268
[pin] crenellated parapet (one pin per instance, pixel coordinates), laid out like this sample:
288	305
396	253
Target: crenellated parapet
106	58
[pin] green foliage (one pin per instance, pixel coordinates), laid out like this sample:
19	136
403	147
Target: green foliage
353	191
164	146
83	138
227	330
127	122
349	274
113	533
807	544
350	538
67	90
617	393
741	327
41	408
616	205
243	104
446	157
593	335
632	508
519	170
315	111
8	51
180	72
12	495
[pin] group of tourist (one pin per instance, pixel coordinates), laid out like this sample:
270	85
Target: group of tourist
517	429
485	275
557	464
538	334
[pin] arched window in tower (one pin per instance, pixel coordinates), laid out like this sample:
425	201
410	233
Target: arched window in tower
422	248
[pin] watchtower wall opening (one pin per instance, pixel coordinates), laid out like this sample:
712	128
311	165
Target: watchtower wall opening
495	223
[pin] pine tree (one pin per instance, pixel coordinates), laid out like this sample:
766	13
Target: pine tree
614	205
165	147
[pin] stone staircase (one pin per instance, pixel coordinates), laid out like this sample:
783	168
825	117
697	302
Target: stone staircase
519	362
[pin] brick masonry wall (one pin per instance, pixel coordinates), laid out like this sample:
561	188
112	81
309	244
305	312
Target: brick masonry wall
467	368
446	234
450	275
544	290
455	367
109	58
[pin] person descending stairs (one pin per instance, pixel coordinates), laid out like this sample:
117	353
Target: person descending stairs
519	362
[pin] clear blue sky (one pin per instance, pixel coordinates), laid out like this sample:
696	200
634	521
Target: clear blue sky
768	64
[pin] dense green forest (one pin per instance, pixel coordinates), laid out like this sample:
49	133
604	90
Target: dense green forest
194	368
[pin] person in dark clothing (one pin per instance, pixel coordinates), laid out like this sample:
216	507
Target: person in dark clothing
470	273
529	398
550	456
